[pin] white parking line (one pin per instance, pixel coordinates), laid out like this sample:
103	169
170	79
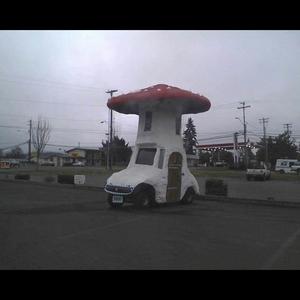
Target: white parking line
284	246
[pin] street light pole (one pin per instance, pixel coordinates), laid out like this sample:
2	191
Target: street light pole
107	155
110	134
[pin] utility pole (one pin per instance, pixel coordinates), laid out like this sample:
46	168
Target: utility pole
111	92
288	128
29	141
264	121
245	130
235	148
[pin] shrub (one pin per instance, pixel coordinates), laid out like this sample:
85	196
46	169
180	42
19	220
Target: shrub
22	176
49	179
69	179
215	187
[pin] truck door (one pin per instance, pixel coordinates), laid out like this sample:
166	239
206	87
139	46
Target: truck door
174	177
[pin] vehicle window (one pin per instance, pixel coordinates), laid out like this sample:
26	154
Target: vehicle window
146	156
161	158
284	163
148	121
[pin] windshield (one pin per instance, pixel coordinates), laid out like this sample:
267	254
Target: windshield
146	156
256	166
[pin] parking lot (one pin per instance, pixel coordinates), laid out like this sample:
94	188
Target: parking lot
51	227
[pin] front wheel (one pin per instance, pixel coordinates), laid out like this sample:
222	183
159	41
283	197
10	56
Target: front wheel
143	199
189	196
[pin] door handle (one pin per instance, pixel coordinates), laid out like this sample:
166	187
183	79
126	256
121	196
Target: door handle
182	174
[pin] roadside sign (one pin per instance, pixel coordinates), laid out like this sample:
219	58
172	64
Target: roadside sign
79	179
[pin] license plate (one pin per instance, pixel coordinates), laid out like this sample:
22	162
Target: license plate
117	199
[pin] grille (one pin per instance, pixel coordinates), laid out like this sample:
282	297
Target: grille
118	189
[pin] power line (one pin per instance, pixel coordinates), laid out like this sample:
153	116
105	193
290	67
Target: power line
53	102
48	82
64	119
14	146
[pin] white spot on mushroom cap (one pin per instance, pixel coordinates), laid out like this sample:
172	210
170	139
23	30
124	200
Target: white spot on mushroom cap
158	90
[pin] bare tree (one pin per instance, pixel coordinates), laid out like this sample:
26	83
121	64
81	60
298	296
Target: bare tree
40	136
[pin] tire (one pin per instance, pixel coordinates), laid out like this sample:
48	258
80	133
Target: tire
111	204
248	178
188	197
281	172
143	199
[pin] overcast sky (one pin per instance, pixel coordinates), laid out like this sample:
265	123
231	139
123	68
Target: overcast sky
63	76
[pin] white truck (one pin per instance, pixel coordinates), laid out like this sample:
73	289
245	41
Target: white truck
285	165
296	167
258	171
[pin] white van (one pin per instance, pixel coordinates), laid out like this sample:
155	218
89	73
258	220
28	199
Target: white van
284	165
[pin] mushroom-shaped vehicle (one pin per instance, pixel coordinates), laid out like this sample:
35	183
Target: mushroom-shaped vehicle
157	171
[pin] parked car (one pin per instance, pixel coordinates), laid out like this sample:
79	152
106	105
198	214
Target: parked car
78	164
14	164
220	164
296	167
258	171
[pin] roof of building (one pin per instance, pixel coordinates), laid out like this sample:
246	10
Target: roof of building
85	149
52	154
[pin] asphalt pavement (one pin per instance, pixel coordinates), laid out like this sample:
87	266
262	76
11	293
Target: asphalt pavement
51	227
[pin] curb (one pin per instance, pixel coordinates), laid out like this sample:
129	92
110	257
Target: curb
198	198
55	185
248	201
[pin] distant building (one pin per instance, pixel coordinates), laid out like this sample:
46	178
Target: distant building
55	158
192	160
89	156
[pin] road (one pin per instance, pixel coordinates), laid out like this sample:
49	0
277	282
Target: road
65	228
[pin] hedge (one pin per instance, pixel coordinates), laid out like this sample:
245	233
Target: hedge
69	179
22	176
215	187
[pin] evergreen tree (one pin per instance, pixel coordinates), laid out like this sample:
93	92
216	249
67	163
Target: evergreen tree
282	146
189	136
120	152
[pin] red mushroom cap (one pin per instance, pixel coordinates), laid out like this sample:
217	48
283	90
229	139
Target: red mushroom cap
129	103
